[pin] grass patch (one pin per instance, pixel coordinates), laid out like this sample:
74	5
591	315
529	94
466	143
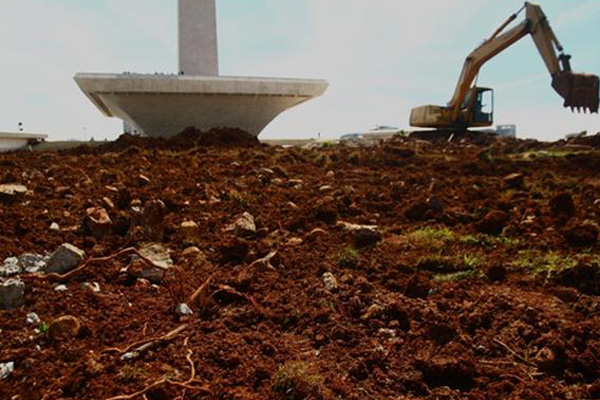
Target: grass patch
298	380
454	277
430	236
542	263
489	241
449	264
549	153
348	258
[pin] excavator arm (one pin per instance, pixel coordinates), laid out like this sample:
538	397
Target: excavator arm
578	90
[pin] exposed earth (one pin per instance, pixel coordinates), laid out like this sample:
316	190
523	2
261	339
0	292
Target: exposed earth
215	267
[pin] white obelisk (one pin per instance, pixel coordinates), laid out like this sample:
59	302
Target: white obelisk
198	48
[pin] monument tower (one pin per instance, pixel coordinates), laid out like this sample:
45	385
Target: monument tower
197	96
198	51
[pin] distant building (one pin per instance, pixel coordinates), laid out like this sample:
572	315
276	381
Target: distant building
16	141
509	130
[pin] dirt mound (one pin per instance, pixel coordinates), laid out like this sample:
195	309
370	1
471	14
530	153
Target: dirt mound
188	139
408	269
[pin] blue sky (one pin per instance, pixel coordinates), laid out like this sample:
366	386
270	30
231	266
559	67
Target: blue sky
381	57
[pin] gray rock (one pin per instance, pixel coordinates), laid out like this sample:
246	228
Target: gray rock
156	253
66	258
10	267
54	227
32	263
244	225
33	319
132	355
184	309
6	369
12	293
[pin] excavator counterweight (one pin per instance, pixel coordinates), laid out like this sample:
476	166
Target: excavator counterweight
467	108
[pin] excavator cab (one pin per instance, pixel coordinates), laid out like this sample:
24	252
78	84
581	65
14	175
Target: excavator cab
478	107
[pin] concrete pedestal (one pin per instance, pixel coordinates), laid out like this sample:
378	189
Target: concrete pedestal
164	105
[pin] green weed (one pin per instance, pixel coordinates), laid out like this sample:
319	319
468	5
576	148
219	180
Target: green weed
348	258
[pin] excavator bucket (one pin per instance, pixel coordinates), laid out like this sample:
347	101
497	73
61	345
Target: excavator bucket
578	90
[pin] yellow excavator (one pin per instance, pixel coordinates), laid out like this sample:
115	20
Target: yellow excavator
472	106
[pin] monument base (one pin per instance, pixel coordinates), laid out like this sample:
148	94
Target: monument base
164	105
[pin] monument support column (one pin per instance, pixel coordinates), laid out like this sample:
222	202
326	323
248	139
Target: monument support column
198	51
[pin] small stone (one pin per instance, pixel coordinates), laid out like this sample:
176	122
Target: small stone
93	286
184	309
54	227
32	263
325	188
66	258
417	211
266	171
366	237
6	369
12	193
315	234
583	235
330	174
266	175
12	293
387	334
64	327
32	319
493	222
514	181
98	222
130	356
10	267
143	180
108	203
330	281
244	226
562	205
156	253
61	289
294	241
191	251
436	204
190	230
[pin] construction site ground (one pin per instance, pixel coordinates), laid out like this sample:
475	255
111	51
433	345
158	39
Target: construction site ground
415	268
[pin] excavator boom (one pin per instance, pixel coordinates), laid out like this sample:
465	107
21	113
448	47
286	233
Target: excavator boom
465	109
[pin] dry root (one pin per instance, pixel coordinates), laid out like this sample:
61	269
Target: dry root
131	250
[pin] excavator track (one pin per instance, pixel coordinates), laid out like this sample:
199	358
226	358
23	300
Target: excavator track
580	91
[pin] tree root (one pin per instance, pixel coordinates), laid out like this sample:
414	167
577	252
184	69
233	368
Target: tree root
131	250
145	344
187	385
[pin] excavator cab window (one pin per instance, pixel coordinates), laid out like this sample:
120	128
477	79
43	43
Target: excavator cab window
483	106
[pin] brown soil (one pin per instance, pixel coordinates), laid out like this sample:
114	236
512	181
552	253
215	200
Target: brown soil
493	300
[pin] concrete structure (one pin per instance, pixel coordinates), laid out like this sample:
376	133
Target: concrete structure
164	105
16	141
